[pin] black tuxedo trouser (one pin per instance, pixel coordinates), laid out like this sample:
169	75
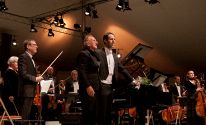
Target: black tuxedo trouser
105	104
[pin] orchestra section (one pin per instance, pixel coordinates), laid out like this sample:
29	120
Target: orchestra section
159	100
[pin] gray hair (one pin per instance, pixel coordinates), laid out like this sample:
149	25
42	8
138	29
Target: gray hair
86	39
74	72
12	59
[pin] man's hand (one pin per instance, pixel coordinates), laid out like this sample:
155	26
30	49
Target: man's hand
136	83
39	78
90	91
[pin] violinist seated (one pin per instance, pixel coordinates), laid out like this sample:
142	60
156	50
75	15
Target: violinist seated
48	98
60	97
71	89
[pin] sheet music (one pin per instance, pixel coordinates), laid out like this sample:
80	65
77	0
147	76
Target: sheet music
159	80
45	84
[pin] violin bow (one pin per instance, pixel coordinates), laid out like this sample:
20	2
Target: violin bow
52	63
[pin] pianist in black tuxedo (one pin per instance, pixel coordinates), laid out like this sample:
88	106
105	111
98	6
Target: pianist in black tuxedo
88	68
109	68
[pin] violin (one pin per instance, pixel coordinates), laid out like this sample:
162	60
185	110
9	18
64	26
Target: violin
37	100
52	102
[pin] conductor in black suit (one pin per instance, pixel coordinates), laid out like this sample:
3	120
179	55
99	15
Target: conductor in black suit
88	68
27	78
109	68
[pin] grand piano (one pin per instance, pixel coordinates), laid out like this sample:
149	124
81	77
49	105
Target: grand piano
148	96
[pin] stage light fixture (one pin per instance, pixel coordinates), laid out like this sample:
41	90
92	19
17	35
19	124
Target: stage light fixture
61	22
88	11
13	41
94	14
56	20
3	6
123	5
152	1
118	55
119	5
126	5
77	26
33	29
50	32
87	30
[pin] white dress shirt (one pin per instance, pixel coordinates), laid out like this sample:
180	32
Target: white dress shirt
178	89
76	87
110	62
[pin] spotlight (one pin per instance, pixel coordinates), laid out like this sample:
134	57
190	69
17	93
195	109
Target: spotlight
3	6
56	20
77	26
152	1
126	5
123	5
94	14
13	41
33	29
87	29
50	32
88	11
118	55
61	22
120	5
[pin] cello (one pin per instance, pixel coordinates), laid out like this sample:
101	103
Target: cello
201	102
173	113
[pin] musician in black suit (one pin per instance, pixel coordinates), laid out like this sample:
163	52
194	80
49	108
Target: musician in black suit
109	69
88	68
11	86
192	85
27	78
48	99
72	89
72	83
176	88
